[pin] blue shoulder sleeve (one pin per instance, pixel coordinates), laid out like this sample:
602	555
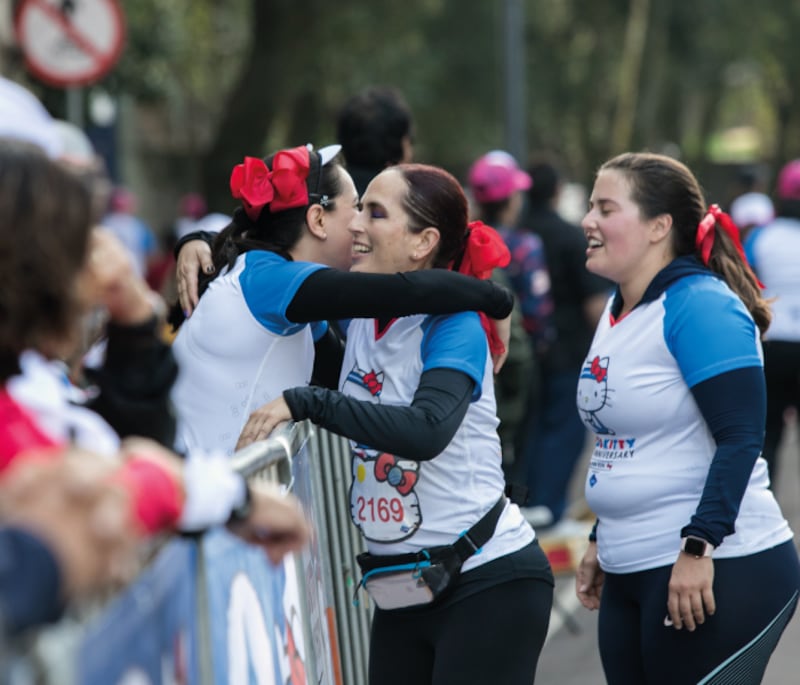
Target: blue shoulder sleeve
750	246
456	341
708	329
269	283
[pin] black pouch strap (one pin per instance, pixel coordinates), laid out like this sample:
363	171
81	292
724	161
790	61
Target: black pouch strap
467	544
476	537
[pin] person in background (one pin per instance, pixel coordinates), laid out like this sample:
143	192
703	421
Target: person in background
376	130
132	232
497	184
417	402
557	438
673	390
774	251
750	210
750	205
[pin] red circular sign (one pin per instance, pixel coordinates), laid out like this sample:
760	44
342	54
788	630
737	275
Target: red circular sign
70	42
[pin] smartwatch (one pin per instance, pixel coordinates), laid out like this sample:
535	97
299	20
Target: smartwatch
697	547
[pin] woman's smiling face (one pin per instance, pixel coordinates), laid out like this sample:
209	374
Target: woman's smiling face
617	234
382	241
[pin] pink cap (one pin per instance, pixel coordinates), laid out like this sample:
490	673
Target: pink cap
496	176
789	181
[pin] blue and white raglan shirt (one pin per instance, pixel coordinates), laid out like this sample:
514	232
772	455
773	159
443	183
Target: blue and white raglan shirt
238	350
773	251
653	449
401	505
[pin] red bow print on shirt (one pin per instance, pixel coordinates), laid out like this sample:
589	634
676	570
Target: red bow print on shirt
387	469
598	371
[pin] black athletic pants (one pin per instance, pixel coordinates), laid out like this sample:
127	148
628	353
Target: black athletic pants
755	597
492	637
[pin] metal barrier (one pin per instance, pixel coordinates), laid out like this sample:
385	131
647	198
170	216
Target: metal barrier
212	610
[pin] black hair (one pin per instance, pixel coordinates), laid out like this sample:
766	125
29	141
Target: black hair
45	222
545	184
272	231
371	126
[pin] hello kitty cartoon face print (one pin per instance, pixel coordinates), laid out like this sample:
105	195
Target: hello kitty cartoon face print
593	393
383	502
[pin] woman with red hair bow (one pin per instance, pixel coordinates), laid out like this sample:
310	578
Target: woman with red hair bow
673	389
462	589
260	324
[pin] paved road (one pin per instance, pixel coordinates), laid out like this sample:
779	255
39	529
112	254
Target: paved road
571	658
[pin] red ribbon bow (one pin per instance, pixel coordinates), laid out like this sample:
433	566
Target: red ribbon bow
284	187
387	469
704	241
598	371
484	251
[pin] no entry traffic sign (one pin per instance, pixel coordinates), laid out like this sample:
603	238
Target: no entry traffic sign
70	42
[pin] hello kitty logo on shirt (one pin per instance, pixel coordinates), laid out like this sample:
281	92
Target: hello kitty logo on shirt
593	393
383	501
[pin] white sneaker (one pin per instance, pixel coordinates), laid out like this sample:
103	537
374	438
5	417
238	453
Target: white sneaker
538	516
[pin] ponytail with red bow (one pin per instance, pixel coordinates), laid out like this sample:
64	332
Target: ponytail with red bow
484	250
706	231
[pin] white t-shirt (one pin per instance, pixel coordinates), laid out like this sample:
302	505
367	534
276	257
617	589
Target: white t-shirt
653	448
238	350
774	252
400	505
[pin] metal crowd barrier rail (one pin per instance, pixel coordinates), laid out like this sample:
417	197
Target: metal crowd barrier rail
213	611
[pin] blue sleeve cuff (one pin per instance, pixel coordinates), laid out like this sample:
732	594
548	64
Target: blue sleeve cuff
734	406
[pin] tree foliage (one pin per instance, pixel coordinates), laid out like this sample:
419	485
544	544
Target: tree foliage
245	76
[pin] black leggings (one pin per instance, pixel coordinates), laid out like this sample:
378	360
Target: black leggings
782	374
755	596
493	636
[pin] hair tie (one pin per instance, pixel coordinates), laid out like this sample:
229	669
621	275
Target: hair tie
484	250
283	187
706	230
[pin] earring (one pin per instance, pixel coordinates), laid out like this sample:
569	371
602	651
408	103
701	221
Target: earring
324	236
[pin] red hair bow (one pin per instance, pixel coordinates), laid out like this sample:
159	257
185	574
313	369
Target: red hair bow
704	241
484	251
282	188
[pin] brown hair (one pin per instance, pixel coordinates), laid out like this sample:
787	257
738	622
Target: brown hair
662	185
435	198
45	220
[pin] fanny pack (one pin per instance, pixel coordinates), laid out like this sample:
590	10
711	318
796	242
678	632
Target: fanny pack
406	580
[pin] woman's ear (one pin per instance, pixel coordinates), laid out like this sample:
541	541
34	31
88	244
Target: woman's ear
315	220
425	243
660	227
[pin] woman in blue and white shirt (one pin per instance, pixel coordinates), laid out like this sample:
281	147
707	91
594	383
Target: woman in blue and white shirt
694	560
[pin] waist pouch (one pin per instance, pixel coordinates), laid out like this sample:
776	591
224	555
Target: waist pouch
417	578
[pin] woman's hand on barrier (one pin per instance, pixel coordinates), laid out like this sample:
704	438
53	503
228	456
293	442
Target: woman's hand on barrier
503	327
691	593
194	256
72	505
276	521
263	421
589	579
